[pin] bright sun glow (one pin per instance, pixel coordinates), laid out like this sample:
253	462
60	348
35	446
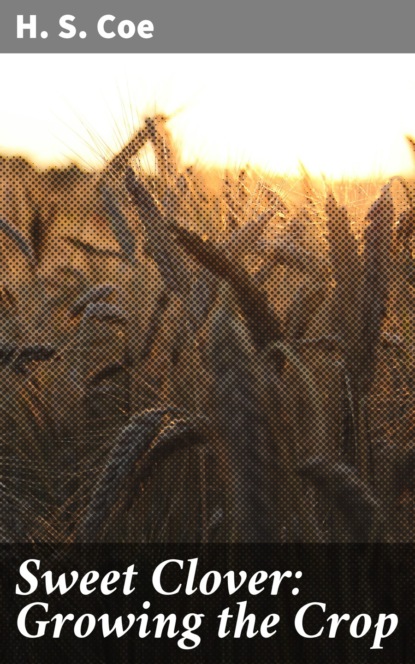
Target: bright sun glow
341	115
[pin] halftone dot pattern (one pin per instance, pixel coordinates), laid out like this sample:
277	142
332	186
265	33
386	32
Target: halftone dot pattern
189	356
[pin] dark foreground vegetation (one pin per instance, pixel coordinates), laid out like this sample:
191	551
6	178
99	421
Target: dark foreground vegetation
199	357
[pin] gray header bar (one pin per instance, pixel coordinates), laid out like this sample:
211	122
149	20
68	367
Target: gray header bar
207	26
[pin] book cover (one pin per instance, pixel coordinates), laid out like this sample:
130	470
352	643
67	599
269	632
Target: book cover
207	332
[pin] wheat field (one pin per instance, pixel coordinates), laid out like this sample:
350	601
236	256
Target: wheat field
190	355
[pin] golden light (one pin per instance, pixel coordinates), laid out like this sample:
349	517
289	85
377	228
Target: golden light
341	115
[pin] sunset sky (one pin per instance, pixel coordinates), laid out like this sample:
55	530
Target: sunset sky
341	115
